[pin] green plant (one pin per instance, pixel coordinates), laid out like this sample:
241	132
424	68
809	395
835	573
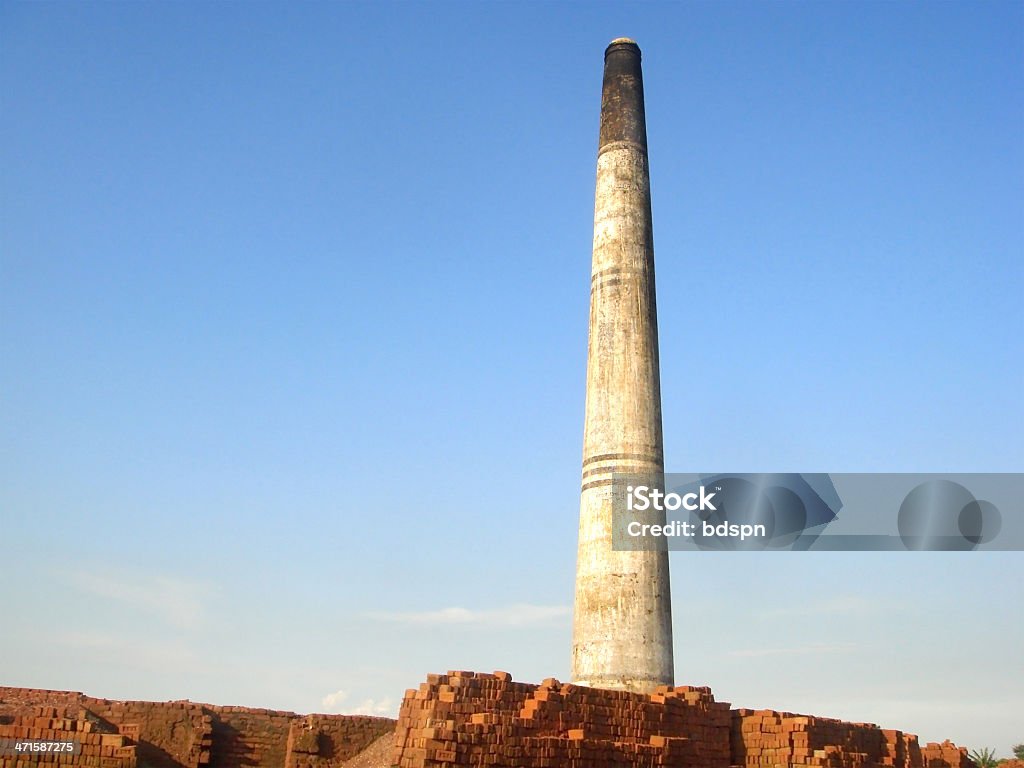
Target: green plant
984	758
1018	751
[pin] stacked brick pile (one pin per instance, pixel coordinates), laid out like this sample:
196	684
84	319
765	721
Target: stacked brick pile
320	741
266	737
182	734
945	755
22	701
902	749
476	719
243	736
462	719
173	734
471	719
96	748
769	739
766	738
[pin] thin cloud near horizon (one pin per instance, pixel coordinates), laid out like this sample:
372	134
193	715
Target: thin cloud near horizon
800	650
516	615
334	704
173	601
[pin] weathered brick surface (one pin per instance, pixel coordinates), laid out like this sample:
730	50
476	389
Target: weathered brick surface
183	734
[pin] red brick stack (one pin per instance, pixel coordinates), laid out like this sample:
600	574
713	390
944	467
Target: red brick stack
901	749
766	738
462	719
476	719
244	736
945	755
325	741
468	719
183	734
173	733
96	748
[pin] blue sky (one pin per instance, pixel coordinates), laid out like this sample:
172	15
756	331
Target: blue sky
293	331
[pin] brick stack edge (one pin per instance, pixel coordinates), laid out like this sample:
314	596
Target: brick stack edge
478	719
179	734
462	719
100	748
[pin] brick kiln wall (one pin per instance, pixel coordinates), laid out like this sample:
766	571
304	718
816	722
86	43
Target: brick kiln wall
183	734
476	719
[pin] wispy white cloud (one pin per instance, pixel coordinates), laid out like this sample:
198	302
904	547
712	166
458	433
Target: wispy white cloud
799	650
117	648
173	601
385	707
92	641
334	704
840	605
518	615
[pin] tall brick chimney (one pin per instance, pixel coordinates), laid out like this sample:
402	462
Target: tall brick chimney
622	624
